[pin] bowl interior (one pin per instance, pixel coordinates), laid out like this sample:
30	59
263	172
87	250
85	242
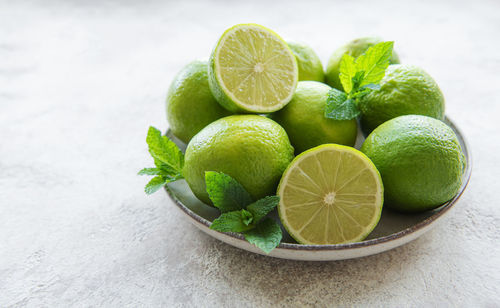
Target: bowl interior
391	222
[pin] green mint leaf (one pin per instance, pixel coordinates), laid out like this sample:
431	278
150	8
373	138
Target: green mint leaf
172	178
266	235
156	183
347	72
167	156
232	222
355	96
262	207
168	159
357	80
164	168
374	62
149	171
339	107
225	192
246	217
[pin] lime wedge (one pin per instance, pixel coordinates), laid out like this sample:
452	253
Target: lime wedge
252	70
330	194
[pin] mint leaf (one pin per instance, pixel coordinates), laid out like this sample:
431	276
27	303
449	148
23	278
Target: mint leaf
167	156
357	80
262	207
168	160
156	183
149	171
235	221
266	235
231	199
340	107
247	217
347	72
225	192
374	62
164	168
172	178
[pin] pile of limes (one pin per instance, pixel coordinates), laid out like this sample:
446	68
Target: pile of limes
259	101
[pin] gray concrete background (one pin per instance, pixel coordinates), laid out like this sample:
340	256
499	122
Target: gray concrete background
80	82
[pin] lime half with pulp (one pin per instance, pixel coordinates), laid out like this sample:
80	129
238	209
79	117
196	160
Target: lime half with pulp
330	194
252	70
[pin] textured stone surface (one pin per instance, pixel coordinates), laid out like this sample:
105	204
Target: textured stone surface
80	81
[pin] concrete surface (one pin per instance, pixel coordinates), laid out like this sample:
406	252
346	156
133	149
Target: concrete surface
80	81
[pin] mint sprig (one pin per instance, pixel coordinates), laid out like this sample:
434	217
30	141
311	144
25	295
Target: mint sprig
168	160
240	214
358	77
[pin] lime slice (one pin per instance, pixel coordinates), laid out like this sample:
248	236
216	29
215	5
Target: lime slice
252	70
330	194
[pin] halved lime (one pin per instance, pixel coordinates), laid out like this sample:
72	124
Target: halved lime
330	194
252	70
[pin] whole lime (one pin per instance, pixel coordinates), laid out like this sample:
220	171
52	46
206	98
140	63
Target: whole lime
190	104
354	48
420	160
405	89
308	62
252	149
305	123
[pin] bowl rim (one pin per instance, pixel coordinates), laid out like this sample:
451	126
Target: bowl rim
335	247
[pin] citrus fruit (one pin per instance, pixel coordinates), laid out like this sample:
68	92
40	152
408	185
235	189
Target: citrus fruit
252	149
190	104
330	194
308	62
305	123
420	160
405	89
252	70
354	48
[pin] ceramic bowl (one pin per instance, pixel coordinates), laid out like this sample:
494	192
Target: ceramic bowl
393	230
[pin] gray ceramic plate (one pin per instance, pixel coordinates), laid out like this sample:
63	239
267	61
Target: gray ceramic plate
393	230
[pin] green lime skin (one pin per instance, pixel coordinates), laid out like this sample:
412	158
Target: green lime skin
420	161
405	89
190	103
252	149
304	120
308	62
354	48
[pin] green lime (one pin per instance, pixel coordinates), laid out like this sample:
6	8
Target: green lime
308	62
354	48
252	70
190	104
420	160
305	123
330	194
252	149
405	89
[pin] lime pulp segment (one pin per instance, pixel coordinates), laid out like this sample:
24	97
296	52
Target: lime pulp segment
255	70
330	194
